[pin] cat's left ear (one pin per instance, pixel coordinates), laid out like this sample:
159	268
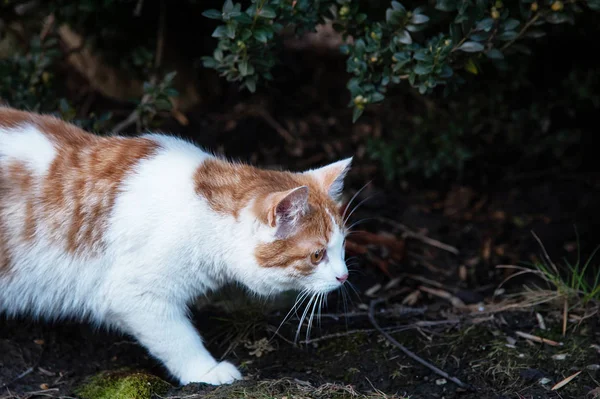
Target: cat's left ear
331	177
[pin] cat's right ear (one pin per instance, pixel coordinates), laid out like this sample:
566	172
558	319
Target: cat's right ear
285	208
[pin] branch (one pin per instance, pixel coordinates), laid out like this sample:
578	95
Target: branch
411	354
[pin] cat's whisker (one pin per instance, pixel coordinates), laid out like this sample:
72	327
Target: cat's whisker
354	290
320	307
349	233
343	291
312	314
303	317
356	208
352	199
299	300
357	223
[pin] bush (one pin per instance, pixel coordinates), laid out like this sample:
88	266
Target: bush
475	50
426	46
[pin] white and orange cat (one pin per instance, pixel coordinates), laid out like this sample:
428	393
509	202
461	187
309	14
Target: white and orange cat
125	232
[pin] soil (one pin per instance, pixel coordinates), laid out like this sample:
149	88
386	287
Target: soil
489	224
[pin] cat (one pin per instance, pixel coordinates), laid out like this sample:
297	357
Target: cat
124	232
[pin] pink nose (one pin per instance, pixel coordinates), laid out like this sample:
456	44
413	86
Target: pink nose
343	278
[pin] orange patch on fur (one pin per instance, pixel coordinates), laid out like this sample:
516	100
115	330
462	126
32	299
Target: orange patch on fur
79	191
4	253
229	188
22	186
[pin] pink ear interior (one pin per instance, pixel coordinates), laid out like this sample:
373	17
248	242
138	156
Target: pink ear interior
286	209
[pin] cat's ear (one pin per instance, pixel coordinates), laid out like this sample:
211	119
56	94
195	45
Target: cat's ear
331	177
285	209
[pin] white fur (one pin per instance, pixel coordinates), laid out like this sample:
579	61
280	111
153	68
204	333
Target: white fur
165	247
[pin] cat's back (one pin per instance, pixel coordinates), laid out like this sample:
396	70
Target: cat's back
58	185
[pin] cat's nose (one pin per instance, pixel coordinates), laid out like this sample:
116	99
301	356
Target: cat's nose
342	278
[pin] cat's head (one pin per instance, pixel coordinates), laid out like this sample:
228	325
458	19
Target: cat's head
300	241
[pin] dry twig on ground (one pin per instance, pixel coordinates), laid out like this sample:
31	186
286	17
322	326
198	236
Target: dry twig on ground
411	354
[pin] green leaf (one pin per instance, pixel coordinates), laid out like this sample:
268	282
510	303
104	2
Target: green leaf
494	54
261	35
245	35
218	54
243	67
394	17
360	47
508	35
267	12
356	113
212	14
404	37
421	69
251	84
594	4
535	33
209	62
419	19
485	24
422	55
230	31
511	24
243	18
169	77
227	6
446	72
397	6
471	47
376	97
220	31
445	5
559	18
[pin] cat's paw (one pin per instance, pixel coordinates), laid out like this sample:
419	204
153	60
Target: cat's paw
222	373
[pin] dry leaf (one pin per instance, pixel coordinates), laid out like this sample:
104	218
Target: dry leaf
565	381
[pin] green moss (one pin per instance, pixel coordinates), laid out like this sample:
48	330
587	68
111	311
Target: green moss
122	385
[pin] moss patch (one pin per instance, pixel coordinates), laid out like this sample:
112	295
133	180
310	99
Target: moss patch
122	385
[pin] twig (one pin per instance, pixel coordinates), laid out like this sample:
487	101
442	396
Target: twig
400	311
540	340
455	301
17	378
521	32
342	334
411	354
430	241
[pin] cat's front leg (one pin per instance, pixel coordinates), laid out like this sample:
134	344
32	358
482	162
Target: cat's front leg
170	337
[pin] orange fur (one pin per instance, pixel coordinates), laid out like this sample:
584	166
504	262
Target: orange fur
80	188
228	188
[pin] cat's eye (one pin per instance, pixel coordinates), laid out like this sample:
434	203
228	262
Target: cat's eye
317	256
